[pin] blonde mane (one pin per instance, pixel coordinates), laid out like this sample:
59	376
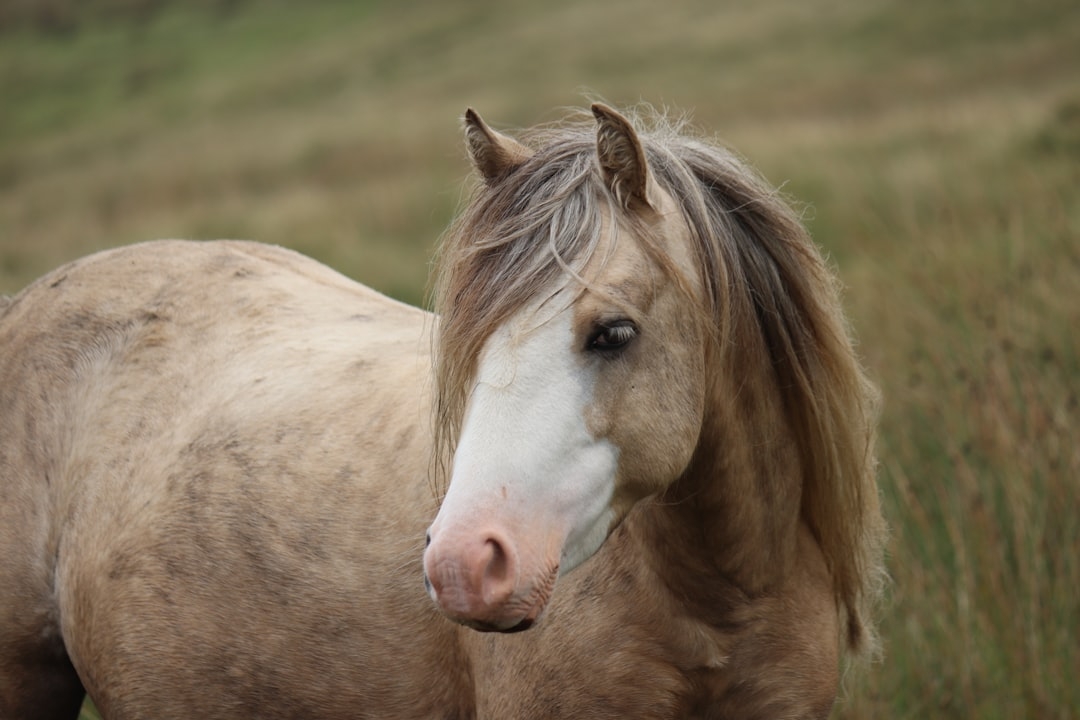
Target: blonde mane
762	274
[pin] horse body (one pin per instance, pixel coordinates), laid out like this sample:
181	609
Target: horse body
181	461
216	464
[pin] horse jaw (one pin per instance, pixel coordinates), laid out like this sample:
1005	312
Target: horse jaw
530	490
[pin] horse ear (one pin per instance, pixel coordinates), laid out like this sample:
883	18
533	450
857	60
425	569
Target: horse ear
493	153
622	159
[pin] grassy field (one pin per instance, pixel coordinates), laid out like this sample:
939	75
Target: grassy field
936	147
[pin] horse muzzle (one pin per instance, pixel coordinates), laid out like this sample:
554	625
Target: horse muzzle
479	578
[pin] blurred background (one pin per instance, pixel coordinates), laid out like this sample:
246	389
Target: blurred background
933	146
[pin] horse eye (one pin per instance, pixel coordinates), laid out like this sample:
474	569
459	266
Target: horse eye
613	336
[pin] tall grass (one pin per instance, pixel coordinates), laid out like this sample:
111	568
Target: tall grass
975	346
936	146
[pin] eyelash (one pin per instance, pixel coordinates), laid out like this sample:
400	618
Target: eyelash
613	336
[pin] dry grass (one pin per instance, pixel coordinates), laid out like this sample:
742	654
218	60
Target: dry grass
971	332
936	144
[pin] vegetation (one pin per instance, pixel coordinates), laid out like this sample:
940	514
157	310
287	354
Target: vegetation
936	146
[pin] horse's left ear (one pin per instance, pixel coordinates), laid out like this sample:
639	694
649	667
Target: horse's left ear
622	159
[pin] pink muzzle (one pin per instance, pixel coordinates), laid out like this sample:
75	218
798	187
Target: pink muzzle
479	577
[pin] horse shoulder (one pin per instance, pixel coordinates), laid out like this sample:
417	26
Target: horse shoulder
784	651
731	656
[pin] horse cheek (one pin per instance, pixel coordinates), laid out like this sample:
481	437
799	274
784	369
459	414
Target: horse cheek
653	415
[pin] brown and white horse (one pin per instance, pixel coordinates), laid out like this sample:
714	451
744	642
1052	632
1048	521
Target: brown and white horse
217	462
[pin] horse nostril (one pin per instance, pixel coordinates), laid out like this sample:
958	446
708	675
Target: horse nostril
427	539
498	567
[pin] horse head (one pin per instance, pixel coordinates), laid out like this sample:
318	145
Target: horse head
570	304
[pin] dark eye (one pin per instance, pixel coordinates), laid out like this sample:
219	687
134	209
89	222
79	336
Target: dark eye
612	336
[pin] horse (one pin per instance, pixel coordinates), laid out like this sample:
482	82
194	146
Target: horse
626	469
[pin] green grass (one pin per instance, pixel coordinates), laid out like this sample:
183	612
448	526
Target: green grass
936	145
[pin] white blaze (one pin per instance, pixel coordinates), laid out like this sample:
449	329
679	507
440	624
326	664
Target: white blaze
525	453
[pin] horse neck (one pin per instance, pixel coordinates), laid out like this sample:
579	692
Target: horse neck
734	513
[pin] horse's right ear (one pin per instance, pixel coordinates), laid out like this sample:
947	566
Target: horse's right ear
493	153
